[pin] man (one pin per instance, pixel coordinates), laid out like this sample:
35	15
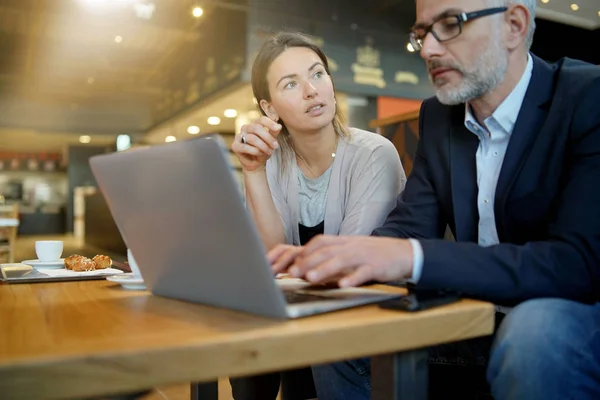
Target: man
509	159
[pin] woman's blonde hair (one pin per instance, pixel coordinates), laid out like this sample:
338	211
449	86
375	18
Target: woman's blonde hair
270	50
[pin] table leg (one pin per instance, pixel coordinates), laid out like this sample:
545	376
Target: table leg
204	391
400	376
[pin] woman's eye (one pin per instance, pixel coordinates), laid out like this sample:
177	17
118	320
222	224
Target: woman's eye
290	85
318	74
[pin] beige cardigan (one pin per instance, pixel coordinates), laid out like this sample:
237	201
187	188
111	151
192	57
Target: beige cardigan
366	179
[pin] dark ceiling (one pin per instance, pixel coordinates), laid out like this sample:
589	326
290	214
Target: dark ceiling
553	41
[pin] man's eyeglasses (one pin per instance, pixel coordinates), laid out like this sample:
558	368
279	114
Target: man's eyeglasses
448	27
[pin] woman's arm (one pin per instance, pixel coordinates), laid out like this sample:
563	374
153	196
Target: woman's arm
259	200
254	146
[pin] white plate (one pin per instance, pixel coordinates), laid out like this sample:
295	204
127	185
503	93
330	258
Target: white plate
46	264
128	281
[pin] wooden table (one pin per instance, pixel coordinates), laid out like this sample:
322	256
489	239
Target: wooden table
84	339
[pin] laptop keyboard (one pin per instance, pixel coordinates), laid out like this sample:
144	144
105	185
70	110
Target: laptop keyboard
299	297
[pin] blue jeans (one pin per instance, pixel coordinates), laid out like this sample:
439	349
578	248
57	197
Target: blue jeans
545	349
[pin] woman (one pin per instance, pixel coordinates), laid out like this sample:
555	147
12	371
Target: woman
305	172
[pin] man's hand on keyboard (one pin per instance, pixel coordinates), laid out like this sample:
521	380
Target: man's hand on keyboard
283	256
351	260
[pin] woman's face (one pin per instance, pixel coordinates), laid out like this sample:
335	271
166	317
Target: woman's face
301	91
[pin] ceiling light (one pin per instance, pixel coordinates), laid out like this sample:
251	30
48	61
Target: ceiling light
574	7
144	11
170	138
599	13
545	1
123	142
410	48
118	39
230	113
85	139
197	12
193	130
213	120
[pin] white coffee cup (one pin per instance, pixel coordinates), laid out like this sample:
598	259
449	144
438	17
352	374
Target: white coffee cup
132	264
48	250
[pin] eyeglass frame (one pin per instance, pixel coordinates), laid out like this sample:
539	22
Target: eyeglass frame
461	18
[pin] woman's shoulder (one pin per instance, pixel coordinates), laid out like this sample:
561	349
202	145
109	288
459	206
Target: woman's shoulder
364	143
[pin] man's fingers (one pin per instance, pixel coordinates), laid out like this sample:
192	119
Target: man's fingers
307	262
321	241
276	252
330	268
285	259
359	276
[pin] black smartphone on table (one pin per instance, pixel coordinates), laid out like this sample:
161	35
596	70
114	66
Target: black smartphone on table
420	300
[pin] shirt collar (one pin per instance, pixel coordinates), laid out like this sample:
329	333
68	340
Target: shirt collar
507	112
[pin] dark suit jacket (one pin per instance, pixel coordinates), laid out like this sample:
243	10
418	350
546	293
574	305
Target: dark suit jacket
547	202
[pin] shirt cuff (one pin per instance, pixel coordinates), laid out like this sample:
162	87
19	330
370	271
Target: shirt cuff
417	261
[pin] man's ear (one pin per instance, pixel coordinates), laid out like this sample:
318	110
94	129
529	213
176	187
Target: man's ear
517	18
269	110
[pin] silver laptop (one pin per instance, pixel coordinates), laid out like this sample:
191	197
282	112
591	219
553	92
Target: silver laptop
180	210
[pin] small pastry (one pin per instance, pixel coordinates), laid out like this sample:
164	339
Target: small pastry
102	261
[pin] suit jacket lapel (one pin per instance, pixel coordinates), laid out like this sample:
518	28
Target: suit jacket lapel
529	123
463	168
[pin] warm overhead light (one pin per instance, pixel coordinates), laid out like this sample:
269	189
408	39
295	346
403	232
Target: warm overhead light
230	113
213	120
90	80
574	7
599	13
545	1
85	139
118	39
193	130
197	12
144	11
410	48
170	138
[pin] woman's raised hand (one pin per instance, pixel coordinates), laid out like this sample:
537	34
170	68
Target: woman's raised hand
255	143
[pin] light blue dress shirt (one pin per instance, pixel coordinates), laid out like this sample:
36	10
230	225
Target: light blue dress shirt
493	136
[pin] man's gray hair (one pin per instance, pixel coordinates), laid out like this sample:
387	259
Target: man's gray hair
530	5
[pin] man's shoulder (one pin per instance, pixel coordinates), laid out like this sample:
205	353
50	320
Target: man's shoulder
576	76
572	67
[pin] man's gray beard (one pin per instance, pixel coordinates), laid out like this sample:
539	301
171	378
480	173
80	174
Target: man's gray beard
486	74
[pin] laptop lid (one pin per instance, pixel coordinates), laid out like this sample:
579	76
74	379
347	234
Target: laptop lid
179	209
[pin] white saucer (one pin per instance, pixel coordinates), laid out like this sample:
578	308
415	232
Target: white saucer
46	264
128	281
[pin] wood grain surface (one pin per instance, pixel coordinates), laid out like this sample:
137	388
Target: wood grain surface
91	338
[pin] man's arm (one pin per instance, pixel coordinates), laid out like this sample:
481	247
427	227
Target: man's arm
567	264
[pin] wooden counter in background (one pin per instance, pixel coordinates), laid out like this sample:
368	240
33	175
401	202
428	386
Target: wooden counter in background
403	131
42	221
